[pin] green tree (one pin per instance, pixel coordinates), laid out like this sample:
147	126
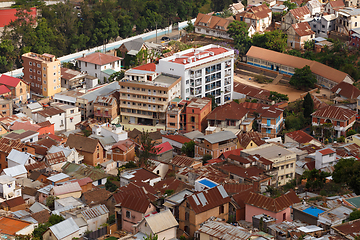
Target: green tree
294	122
169	192
190	27
275	40
303	78
213	102
309	45
219	5
238	32
7	56
206	158
110	186
55	219
308	105
111	219
38	232
278	97
50	200
354	215
151	237
188	148
315	179
350	132
347	171
290	5
255	126
148	148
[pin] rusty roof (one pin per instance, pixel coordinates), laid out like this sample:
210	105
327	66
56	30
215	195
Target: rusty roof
11	226
246	173
255	12
234	188
177	138
228	111
300	136
222	230
13	202
272	204
350	230
105	99
171	183
252	91
55	158
124	145
347	90
302	29
333	112
99	58
208	199
95	196
137	204
300	12
50	111
182	161
6	145
68	74
269	111
82	143
246	138
42	216
36	166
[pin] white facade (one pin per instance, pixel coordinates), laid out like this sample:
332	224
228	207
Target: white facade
16	158
58	120
107	130
314	6
8	188
71	154
32	138
204	70
72	116
31	108
96	70
325	160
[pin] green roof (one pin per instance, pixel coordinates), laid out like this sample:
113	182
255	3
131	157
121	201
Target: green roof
19	131
80	171
176	100
355	201
109	71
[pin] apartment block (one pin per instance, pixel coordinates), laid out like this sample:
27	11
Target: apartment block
205	70
174	115
271	120
145	102
42	72
196	112
6	108
106	108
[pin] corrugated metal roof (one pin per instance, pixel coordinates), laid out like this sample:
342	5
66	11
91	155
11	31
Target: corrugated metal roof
222	230
58	177
67	188
161	221
95	212
19	157
37	207
219	136
64	228
15	171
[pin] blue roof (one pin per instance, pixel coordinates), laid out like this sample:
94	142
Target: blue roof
207	183
314	211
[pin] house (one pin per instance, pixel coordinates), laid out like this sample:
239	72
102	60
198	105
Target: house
65	230
54	115
6	107
70	154
348	19
196	208
229	115
196	112
163	152
123	151
71	79
355	37
183	161
96	63
132	47
278	208
293	16
42	128
140	175
30	108
215	144
44	193
72	115
176	141
95	217
66	190
14	204
175	115
301	138
41	217
314	7
333	7
6	146
236	8
340	118
283	160
213	26
106	108
68	201
78	171
244	91
322	26
286	64
258	16
133	210
221	230
335	216
95	197
56	160
91	149
20	90
347	230
346	91
58	178
162	224
16	157
325	157
85	183
249	140
23	136
270	120
114	131
15	227
299	33
16	172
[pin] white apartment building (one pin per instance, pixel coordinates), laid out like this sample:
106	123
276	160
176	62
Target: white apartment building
8	188
97	65
108	130
72	115
325	158
54	115
205	70
348	19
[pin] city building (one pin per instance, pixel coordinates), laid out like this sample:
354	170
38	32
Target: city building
270	120
8	188
236	8
244	91
106	108
72	115
146	72
145	102
301	138
96	63
65	230
196	112
322	25
54	115
42	72
259	16
175	117
123	151
132	47
286	64
298	34
19	89
348	19
325	158
71	79
212	25
205	70
283	160
340	118
314	6
293	16
6	108
333	7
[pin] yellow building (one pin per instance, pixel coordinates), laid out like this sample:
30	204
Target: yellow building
353	139
42	72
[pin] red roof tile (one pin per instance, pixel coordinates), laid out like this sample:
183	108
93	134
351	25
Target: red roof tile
9	81
177	138
214	161
252	91
246	138
182	161
333	112
346	89
326	151
337	4
242	172
228	153
163	147
123	145
151	67
302	29
25	126
300	136
82	181
232	188
99	58
13	202
227	111
4	89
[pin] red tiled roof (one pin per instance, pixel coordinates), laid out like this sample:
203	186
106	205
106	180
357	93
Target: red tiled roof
9	81
214	161
300	136
151	67
212	22
142	175
332	112
272	204
4	89
232	188
255	12
163	147
213	198
337	4
228	153
45	124
135	203
246	138
227	111
99	58
25	126
177	138
326	151
13	202
251	91
8	15
242	172
123	145
302	29
171	183
270	112
347	90
239	159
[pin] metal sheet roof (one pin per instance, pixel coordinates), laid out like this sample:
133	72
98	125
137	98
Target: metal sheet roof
15	171
37	207
95	212
58	177
222	230
219	136
19	157
67	188
161	221
64	228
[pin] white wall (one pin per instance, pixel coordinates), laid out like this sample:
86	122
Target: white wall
95	223
58	121
90	69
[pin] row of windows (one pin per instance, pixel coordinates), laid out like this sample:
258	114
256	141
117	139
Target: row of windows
287	166
38	65
141	104
144	90
290	175
144	97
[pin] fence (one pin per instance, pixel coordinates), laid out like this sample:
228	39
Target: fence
96	234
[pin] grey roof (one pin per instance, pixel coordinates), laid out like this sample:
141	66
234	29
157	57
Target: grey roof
15	171
69	201
64	228
65	150
34	105
80	222
26	182
104	164
161	221
19	157
219	137
222	230
269	151
37	207
106	89
60	210
46	189
4	179
194	134
58	177
30	219
135	44
180	196
95	212
105	141
21	213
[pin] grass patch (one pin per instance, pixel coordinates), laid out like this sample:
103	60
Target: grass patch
261	78
111	238
206	8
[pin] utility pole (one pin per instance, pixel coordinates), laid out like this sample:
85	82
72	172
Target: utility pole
156	31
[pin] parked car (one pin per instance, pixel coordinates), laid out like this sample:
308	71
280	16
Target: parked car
166	39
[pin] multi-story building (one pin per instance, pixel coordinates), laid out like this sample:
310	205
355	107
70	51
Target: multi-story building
270	120
296	15
174	115
205	70
106	108
145	102
42	72
20	90
196	112
259	16
215	144
298	34
71	79
348	19
325	158
72	115
54	115
212	25
6	108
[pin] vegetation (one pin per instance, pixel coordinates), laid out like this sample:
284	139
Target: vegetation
151	237
261	78
275	40
354	215
41	228
290	5
111	220
220	5
169	192
190	27
308	105
50	200
278	97
315	179
188	148
117	76
238	31
213	102
130	164
347	172
206	158
294	121
148	148
350	132
110	186
303	78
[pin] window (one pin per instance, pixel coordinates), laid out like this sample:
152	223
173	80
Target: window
192	119
95	66
128	214
44	68
72	111
187	216
44	82
30	63
221	209
38	65
54	73
284	216
172	116
30	70
172	124
44	75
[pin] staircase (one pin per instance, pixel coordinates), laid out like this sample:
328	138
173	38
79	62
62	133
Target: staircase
277	79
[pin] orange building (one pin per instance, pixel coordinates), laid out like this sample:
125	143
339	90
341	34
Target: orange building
6	107
106	108
6	145
123	151
19	90
196	112
174	114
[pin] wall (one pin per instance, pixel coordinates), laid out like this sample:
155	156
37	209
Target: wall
58	120
48	235
251	211
95	223
72	194
135	217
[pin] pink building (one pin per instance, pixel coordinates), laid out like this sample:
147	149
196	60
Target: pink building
278	208
133	210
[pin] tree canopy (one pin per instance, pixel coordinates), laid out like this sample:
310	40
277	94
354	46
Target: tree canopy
275	40
308	105
188	148
238	31
303	78
347	171
148	148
